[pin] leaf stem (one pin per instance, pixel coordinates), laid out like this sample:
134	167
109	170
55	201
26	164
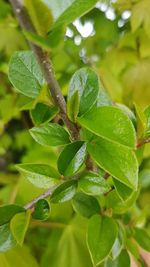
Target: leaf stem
46	66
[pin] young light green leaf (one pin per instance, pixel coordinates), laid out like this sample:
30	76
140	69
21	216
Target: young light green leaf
43	113
71	158
41	210
50	134
93	184
140	122
6	238
86	82
142	238
110	122
102	232
64	192
8	211
116	159
123	260
41	175
123	191
19	225
25	73
73	106
85	205
36	9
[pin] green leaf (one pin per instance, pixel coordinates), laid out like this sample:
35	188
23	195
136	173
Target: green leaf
119	242
73	106
19	225
68	248
8	211
93	184
41	210
110	122
40	175
51	134
64	192
114	202
102	232
85	205
38	40
147	114
86	83
123	260
6	238
140	122
123	191
42	23
142	238
115	159
25	73
132	247
18	255
71	158
67	11
43	113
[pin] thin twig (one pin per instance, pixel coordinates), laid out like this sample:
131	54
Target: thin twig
46	194
46	66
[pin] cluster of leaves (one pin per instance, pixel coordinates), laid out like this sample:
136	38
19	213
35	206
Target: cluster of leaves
98	184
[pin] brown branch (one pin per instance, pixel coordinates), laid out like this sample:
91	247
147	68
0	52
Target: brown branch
46	66
46	194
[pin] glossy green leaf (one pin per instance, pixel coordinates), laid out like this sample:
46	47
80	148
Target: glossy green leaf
118	160
123	260
110	122
86	82
43	113
19	225
71	158
64	192
36	9
93	184
73	106
123	191
142	238
85	205
41	175
8	211
102	232
41	210
50	134
6	238
25	73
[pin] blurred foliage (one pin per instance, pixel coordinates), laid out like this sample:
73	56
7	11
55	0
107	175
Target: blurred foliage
114	39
